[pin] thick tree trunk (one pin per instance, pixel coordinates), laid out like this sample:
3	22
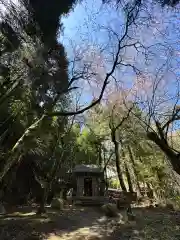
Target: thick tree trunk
129	179
128	175
169	152
134	168
43	201
118	164
44	198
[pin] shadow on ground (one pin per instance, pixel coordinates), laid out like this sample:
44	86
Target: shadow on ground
24	224
150	224
77	223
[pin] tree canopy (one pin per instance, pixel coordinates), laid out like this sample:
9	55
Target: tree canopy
45	130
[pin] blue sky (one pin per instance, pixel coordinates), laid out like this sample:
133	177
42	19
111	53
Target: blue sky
85	20
87	24
83	27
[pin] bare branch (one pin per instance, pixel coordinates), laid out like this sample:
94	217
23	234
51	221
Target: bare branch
129	20
174	117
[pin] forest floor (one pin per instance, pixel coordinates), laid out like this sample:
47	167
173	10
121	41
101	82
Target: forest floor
87	223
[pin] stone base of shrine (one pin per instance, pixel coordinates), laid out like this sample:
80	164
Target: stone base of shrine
89	201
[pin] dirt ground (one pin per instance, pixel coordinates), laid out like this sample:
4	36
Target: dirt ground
89	223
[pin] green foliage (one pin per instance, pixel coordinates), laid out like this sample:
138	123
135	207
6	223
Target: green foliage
113	183
82	146
47	23
33	73
146	162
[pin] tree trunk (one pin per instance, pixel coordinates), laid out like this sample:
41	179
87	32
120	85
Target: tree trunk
100	156
14	155
169	152
117	154
64	193
43	200
150	192
129	179
128	175
134	168
105	177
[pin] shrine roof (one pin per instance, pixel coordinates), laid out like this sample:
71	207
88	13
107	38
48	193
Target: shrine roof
87	168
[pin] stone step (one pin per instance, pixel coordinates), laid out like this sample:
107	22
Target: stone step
89	201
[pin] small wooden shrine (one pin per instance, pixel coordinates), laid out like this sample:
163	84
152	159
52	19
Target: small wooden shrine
90	184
